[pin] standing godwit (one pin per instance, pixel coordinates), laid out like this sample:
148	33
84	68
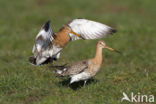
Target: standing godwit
86	69
48	44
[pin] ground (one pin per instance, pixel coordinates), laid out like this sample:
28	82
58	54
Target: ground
132	71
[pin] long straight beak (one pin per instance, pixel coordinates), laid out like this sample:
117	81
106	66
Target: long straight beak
112	49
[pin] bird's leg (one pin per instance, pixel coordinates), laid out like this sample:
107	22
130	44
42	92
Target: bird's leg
85	82
70	82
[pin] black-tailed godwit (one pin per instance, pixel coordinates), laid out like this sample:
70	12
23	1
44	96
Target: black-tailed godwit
48	44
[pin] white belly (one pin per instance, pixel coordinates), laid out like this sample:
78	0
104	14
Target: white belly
78	77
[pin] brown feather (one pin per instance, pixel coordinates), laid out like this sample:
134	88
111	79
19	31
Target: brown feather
76	68
62	37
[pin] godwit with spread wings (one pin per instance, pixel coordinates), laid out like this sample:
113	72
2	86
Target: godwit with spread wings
48	44
86	69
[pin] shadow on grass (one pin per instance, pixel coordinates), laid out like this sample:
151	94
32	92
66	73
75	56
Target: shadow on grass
66	82
77	85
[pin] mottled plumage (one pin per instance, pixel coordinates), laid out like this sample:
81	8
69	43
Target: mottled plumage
49	44
86	69
76	68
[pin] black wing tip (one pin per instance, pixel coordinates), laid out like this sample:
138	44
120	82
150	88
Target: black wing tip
112	30
46	26
48	22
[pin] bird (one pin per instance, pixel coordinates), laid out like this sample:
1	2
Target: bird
48	45
86	69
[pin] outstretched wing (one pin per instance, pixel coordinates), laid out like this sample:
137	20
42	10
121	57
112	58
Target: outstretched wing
87	29
43	39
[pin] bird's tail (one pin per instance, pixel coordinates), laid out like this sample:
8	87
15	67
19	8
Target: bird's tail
60	70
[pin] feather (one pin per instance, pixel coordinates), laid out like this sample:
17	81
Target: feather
88	29
43	39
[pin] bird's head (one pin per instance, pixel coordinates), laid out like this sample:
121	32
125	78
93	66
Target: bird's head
102	44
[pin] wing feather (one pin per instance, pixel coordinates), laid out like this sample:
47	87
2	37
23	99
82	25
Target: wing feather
76	68
88	29
43	38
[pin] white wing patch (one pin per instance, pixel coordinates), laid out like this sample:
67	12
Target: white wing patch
88	29
42	41
46	35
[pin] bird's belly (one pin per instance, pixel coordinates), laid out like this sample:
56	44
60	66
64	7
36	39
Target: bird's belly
81	76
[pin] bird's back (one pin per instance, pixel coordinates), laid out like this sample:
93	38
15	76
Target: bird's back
76	68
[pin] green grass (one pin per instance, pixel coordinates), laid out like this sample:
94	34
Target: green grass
133	71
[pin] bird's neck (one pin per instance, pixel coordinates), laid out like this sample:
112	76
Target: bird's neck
62	37
98	55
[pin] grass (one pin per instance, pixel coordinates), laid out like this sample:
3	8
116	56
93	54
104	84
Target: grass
133	71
